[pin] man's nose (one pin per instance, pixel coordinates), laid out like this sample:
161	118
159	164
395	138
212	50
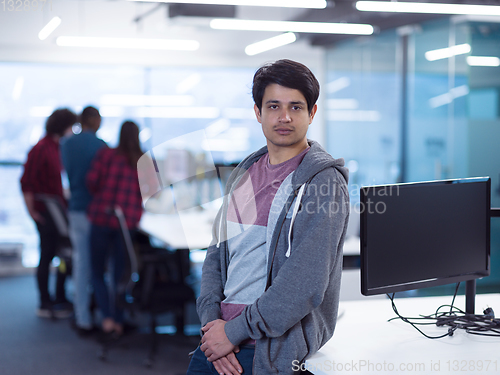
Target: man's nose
285	115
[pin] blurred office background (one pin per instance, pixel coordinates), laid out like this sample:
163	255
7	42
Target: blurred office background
394	112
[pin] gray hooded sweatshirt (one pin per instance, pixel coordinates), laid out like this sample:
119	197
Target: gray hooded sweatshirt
297	313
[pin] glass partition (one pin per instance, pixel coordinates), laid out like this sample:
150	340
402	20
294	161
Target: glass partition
363	109
165	102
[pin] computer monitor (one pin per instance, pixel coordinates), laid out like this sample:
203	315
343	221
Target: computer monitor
418	235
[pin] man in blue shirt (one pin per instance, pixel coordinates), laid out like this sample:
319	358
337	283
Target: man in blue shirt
77	153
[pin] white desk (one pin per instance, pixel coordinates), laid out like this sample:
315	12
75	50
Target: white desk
190	229
364	337
352	246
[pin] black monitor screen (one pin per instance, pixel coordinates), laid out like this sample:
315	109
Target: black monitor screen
417	235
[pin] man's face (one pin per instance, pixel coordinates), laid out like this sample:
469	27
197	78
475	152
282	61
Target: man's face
284	116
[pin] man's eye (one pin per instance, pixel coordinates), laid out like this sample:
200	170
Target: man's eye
296	107
273	106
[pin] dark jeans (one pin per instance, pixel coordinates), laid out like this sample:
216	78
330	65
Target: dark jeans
50	242
106	243
199	364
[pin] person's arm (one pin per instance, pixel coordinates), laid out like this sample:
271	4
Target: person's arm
300	284
211	290
28	179
95	172
29	200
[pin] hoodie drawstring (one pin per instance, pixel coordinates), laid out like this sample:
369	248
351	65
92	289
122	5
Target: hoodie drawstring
294	214
220	231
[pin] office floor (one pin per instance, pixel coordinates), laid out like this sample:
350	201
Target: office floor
31	345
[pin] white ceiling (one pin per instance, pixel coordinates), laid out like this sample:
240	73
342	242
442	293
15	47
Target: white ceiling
19	35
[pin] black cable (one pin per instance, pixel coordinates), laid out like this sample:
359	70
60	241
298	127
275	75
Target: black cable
407	320
455	318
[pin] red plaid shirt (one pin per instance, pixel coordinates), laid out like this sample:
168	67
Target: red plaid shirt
112	181
42	171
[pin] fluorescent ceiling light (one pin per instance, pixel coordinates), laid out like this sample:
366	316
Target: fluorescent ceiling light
188	84
271	43
483	61
147	100
134	43
444	53
433	8
18	88
239	113
447	98
312	4
338	84
299	27
49	28
342	104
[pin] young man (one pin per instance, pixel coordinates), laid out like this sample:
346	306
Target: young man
77	153
42	176
271	278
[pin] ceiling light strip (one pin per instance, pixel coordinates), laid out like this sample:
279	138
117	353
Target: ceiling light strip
290	26
432	8
307	4
444	53
129	43
49	28
269	44
483	61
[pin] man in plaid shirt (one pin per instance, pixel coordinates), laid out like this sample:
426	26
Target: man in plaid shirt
113	181
42	175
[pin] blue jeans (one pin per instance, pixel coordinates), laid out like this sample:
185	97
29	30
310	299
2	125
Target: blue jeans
200	365
106	243
49	245
79	232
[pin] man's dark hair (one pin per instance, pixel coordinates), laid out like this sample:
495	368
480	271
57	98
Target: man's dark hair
59	121
289	74
87	114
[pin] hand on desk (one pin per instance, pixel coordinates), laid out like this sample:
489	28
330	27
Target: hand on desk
215	343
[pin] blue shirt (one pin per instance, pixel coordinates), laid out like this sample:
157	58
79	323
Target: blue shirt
77	153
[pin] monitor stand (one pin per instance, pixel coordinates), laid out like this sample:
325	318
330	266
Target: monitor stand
470	296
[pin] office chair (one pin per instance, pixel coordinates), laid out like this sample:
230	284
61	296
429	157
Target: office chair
153	283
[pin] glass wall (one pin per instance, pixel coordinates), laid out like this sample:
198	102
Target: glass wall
437	98
363	109
165	102
399	115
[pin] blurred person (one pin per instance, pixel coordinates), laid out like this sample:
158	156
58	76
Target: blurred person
77	153
42	175
113	181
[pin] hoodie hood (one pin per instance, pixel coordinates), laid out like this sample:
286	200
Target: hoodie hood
316	160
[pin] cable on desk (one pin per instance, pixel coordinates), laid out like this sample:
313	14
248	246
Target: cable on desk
483	325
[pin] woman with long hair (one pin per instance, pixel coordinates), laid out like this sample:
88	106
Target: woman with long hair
113	181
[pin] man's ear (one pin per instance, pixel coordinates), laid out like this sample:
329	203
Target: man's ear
257	113
313	112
